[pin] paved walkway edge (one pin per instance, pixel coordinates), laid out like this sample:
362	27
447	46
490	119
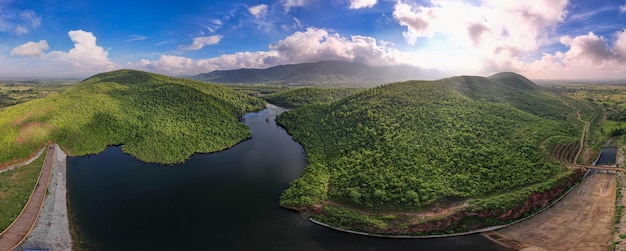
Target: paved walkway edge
52	232
39	190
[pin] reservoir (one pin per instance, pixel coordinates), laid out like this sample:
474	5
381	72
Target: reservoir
608	156
220	201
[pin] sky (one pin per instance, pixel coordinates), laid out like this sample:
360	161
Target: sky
541	39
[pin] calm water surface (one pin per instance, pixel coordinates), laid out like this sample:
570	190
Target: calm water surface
608	156
220	201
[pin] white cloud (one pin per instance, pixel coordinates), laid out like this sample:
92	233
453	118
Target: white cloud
358	4
622	8
258	11
85	58
312	45
588	56
214	25
31	49
200	42
486	36
288	4
86	55
21	30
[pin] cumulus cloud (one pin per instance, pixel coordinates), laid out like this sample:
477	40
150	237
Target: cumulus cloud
288	4
86	54
588	56
358	4
31	49
258	11
622	8
200	42
86	57
312	45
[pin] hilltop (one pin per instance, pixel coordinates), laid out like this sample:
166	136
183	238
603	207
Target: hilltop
327	73
156	118
474	145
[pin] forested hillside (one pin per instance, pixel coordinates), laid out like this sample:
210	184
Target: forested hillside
295	98
413	145
157	118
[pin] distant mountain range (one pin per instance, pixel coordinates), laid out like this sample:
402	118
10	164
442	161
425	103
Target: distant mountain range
323	73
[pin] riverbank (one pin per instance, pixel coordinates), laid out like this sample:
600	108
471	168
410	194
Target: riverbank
51	232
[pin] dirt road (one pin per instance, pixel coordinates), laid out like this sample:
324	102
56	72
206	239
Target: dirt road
581	221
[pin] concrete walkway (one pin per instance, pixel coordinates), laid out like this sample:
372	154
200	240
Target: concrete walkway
52	232
21	227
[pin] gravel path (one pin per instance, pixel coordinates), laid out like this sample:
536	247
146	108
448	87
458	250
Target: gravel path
51	231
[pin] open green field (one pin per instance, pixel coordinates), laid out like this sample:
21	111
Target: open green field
157	118
15	92
609	128
16	187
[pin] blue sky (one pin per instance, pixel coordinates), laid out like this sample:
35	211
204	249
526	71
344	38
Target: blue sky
551	39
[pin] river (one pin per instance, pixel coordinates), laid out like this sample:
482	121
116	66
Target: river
220	201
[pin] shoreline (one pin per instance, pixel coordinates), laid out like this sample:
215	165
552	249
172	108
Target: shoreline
51	231
477	231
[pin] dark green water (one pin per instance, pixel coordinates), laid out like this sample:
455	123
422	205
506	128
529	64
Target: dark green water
220	201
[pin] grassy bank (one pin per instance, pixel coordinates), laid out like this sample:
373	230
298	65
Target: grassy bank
16	186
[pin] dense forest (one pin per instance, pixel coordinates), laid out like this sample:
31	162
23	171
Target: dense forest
157	118
295	98
413	145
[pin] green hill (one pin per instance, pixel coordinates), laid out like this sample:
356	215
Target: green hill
419	145
295	98
156	118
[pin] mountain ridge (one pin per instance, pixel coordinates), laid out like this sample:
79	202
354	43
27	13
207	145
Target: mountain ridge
322	73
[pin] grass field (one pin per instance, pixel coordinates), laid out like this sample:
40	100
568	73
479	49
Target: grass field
16	187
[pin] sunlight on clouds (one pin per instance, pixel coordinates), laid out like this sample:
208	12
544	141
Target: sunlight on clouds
312	45
495	31
358	4
588	56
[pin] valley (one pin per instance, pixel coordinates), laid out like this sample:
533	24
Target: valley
415	158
